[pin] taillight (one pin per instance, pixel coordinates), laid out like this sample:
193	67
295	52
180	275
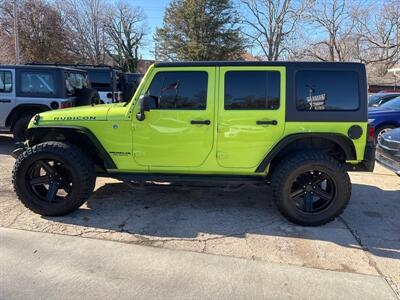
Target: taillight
66	104
371	133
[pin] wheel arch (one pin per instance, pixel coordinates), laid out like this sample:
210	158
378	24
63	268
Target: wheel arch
24	108
79	136
336	145
386	123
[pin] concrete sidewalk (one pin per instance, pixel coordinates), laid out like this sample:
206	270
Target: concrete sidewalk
47	266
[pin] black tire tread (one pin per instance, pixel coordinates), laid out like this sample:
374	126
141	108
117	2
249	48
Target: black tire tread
286	166
79	159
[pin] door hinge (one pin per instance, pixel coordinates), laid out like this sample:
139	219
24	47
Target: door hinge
138	154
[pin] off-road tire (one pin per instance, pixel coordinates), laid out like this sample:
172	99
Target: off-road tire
87	96
285	173
19	127
81	167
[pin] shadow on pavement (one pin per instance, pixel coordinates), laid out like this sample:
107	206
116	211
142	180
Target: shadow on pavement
6	144
372	216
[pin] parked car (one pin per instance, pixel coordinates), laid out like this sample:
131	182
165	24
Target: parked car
378	99
300	126
385	117
28	90
131	83
106	80
388	150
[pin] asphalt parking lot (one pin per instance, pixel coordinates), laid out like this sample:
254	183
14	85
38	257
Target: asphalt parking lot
241	223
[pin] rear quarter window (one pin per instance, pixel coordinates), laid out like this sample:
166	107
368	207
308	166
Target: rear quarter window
318	90
37	84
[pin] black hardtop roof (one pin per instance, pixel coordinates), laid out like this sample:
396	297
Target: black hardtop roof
303	64
78	66
41	67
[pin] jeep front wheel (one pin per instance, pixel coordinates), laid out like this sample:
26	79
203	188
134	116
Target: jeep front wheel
311	189
53	178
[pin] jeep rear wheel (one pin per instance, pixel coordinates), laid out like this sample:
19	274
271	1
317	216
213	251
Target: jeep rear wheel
53	178
311	189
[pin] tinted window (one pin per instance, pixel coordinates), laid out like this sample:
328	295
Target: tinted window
327	90
37	83
100	79
5	82
75	81
252	90
392	104
180	90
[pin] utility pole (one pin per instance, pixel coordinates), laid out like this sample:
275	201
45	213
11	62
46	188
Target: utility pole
16	35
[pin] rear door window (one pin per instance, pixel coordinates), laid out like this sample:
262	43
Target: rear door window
37	84
252	90
327	90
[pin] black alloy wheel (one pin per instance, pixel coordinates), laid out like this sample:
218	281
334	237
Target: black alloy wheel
49	180
313	191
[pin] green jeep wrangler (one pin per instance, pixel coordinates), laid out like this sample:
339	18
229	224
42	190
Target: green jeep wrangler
299	126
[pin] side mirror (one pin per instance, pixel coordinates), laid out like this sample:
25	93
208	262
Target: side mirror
146	103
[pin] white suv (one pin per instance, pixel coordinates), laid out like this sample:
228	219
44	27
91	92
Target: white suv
27	90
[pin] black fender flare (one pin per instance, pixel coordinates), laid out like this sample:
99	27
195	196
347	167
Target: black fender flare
22	108
77	135
341	140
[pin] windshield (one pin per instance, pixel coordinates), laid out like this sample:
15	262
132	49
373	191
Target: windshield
392	104
373	99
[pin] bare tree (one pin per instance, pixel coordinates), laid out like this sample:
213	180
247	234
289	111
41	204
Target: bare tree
330	20
85	22
41	31
271	24
40	28
7	53
378	32
126	29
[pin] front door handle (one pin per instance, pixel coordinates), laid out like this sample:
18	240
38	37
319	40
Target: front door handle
200	122
272	122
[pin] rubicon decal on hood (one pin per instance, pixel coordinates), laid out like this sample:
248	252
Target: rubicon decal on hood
84	118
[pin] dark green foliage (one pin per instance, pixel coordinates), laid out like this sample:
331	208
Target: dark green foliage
199	30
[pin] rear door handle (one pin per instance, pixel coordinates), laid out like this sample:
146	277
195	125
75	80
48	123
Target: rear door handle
5	101
272	122
200	122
